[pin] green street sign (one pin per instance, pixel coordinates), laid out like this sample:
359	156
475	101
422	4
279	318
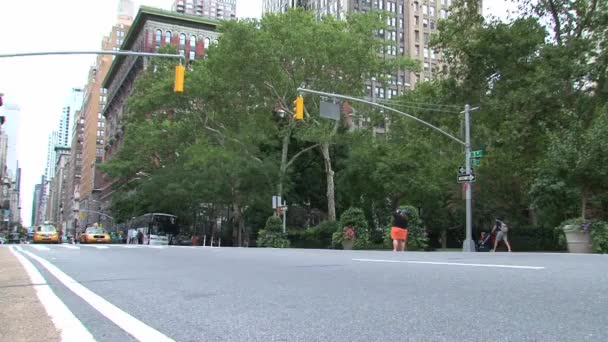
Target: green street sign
475	162
477	154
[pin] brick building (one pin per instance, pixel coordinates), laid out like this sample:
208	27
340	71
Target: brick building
151	29
95	98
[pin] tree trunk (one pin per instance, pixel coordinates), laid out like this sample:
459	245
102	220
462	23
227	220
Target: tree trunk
533	217
583	204
331	198
444	238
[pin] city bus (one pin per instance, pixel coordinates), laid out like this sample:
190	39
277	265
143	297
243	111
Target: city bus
155	228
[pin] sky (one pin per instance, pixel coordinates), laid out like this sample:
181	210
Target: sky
40	86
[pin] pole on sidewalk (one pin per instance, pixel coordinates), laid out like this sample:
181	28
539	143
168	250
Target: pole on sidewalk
468	245
284	217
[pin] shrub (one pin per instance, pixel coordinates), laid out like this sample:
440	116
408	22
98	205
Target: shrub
352	218
274	225
536	238
272	235
314	237
599	236
274	240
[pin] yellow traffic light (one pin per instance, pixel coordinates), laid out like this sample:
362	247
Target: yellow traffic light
299	108
180	70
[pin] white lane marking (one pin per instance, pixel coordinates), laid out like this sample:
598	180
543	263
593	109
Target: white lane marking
452	264
41	248
156	247
128	323
128	246
69	327
98	247
70	246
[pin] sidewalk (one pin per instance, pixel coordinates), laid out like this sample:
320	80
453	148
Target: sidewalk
22	317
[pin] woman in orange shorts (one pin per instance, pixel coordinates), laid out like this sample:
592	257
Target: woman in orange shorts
399	230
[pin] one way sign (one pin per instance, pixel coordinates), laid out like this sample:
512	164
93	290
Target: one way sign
466	178
463	171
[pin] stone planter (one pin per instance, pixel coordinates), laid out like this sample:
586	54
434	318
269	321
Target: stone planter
348	244
578	241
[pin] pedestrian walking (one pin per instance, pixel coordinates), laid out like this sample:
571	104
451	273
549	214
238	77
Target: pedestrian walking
502	231
399	230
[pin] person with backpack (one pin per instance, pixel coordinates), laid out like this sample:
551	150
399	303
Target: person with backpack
502	231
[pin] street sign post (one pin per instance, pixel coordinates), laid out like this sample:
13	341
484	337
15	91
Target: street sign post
477	154
463	170
466	178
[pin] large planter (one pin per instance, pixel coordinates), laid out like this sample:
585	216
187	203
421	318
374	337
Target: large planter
348	244
578	241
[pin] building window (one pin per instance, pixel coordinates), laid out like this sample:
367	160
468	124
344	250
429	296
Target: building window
426	52
425	23
100	133
99	116
182	40
207	42
432	11
168	37
425	9
192	47
158	36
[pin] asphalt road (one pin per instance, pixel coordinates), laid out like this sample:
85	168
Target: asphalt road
232	294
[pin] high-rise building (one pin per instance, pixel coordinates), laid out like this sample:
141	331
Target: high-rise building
74	174
39	205
95	97
53	141
410	26
216	9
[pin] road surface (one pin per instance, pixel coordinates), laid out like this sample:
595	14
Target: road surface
129	293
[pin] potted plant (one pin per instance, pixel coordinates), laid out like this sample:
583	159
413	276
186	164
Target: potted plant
577	235
348	237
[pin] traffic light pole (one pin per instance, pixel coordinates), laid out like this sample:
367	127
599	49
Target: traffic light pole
179	69
101	52
468	244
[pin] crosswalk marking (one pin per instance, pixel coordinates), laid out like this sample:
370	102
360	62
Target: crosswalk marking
112	246
70	246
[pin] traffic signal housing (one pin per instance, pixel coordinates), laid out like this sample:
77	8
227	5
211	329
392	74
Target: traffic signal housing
299	108
180	70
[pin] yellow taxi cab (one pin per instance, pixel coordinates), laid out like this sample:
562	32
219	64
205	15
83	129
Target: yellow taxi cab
95	235
46	233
